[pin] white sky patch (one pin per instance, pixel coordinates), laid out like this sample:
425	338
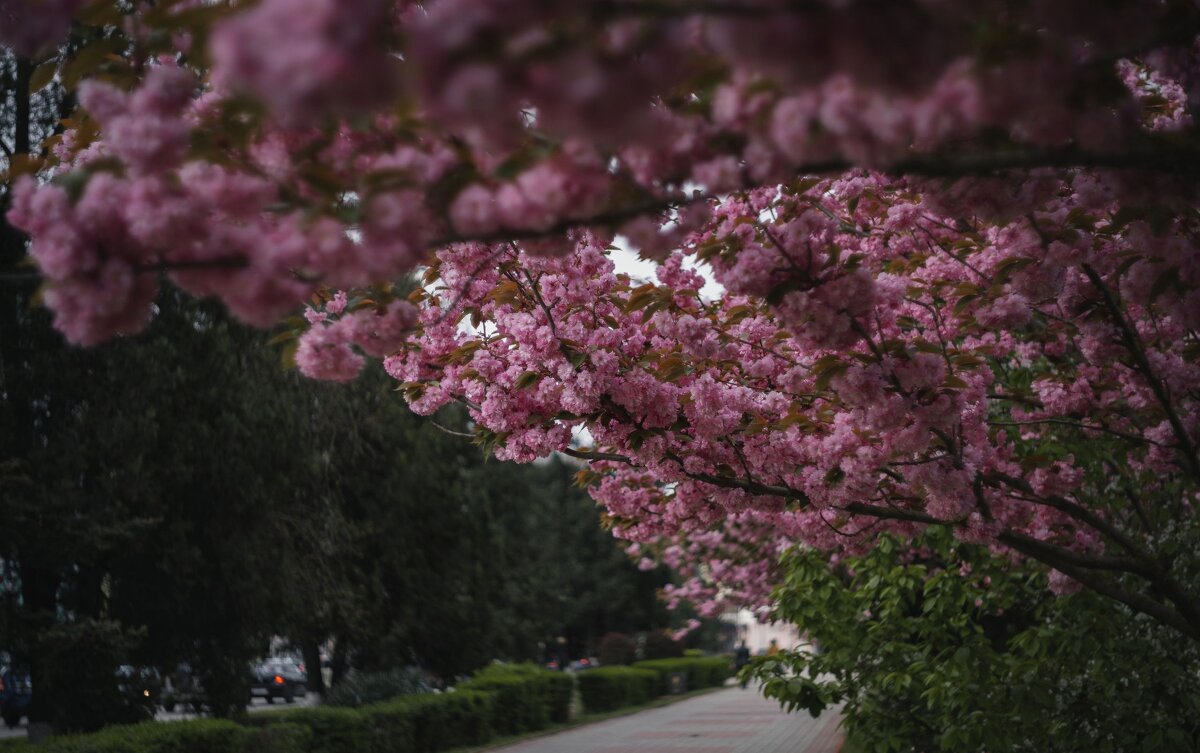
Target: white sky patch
626	260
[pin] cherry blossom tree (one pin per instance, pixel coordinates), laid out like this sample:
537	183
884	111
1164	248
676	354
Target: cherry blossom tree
956	243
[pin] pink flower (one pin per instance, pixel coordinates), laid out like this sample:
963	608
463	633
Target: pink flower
323	354
337	304
474	211
307	58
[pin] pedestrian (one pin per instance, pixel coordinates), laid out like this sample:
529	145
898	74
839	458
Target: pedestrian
773	649
741	658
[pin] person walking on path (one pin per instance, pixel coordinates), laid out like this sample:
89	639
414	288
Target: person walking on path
773	649
741	658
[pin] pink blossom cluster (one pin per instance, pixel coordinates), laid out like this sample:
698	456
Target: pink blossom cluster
330	349
309	59
807	408
144	201
997	331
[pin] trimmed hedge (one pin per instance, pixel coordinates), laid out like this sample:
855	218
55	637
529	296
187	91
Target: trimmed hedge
520	698
333	730
608	688
701	672
197	736
422	723
500	699
554	688
281	738
437	721
503	698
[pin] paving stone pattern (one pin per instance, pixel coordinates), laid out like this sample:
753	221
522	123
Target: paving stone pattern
728	721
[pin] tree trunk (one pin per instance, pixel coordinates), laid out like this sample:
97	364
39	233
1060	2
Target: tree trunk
312	661
39	586
39	594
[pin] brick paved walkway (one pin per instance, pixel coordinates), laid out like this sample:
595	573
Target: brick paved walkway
728	721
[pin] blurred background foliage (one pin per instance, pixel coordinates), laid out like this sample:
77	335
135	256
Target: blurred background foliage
186	488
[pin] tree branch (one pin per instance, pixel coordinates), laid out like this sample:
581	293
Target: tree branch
1133	344
1106	587
1079	425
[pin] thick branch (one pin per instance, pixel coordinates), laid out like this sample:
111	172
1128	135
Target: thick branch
593	455
1076	511
1081	426
754	487
1081	566
1106	587
1041	550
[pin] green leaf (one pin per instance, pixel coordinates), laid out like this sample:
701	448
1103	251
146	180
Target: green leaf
43	75
89	60
526	380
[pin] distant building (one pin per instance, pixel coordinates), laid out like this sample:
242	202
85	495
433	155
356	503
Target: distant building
758	635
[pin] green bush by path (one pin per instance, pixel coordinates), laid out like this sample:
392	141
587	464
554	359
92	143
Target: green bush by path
419	723
554	688
609	688
284	737
503	698
431	722
705	672
334	730
198	736
519	705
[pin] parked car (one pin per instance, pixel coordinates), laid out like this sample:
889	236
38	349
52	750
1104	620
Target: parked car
279	677
16	693
180	688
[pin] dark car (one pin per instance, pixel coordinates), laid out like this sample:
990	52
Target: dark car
16	693
279	678
180	688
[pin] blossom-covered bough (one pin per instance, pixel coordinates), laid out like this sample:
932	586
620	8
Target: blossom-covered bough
956	241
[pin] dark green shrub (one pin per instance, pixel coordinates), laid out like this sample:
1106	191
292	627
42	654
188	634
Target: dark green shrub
365	688
432	722
422	722
608	688
554	688
81	660
617	648
527	696
196	736
701	673
519	706
660	645
283	737
392	723
334	730
267	718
